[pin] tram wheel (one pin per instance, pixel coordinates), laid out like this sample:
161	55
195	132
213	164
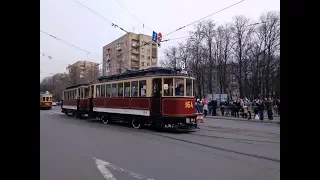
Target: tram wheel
105	119
136	123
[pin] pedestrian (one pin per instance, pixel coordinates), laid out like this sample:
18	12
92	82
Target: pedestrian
214	107
237	108
261	109
269	109
222	107
205	109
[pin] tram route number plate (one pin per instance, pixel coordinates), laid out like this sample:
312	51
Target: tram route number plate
188	104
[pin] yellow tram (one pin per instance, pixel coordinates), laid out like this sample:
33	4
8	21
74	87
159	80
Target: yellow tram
46	101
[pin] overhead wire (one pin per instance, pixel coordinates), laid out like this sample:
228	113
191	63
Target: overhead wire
134	15
71	45
219	30
204	17
96	13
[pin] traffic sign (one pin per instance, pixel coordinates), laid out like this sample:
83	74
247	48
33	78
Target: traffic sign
182	65
154	36
159	37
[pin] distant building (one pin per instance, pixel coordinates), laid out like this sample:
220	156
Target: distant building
128	53
83	72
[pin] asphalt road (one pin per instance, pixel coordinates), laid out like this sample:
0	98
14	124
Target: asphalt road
81	149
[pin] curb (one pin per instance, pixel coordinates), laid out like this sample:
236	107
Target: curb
256	121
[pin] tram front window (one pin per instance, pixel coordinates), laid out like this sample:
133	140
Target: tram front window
168	87
179	87
188	87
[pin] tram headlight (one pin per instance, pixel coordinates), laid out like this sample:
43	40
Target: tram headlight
187	120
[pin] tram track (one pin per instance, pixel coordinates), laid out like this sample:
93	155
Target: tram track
236	139
148	131
237	129
218	148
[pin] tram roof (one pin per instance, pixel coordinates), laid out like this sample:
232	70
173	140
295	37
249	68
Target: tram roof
154	71
75	86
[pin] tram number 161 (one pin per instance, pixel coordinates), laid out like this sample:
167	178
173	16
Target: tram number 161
188	104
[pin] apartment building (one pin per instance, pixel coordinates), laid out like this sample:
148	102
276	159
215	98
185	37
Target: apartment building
83	72
128	53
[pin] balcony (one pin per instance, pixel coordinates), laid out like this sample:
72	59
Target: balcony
134	58
118	47
134	51
134	65
135	45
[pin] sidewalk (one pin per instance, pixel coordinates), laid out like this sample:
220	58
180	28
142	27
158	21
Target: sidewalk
232	118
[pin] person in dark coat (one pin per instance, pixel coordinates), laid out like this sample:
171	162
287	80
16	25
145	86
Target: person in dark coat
237	108
214	107
222	107
278	106
269	104
261	109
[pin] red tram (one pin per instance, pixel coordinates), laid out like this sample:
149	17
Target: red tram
154	97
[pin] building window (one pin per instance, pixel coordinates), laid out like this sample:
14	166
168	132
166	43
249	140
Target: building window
149	57
148	64
120	89
143	88
134	88
142	63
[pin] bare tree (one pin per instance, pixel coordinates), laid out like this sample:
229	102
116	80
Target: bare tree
242	37
244	56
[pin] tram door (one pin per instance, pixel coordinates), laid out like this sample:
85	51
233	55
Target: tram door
78	99
156	96
90	99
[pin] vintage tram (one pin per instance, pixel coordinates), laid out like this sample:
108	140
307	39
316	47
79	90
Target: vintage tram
45	100
153	97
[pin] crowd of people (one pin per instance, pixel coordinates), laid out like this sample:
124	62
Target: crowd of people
244	108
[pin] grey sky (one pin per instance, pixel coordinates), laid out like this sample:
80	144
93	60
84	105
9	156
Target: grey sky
73	23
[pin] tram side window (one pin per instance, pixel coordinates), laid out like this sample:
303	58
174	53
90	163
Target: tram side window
47	98
120	89
108	87
168	87
194	88
114	90
86	93
103	90
43	99
98	91
179	87
71	94
189	87
127	89
82	93
134	88
143	88
50	98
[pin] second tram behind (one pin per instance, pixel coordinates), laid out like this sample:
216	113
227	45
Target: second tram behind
45	101
154	97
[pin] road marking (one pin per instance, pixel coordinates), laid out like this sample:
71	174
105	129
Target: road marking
102	166
54	112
